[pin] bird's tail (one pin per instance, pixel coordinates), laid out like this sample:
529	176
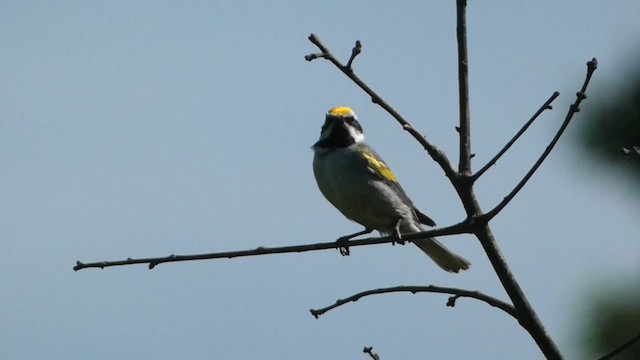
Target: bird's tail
445	258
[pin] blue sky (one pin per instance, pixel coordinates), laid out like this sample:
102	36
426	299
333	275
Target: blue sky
135	129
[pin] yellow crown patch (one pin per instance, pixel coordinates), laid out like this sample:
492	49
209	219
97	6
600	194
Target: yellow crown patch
340	111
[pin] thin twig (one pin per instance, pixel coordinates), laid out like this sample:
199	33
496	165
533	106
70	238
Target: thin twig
435	153
508	308
545	106
356	50
621	348
369	350
460	228
573	109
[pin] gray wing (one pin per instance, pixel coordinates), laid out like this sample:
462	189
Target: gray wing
395	186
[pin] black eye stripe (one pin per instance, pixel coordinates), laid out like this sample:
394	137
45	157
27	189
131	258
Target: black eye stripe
353	122
349	120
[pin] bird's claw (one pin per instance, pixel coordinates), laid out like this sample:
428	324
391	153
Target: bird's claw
397	234
398	238
343	245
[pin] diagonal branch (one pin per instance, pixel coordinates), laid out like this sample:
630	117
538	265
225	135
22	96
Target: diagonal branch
460	228
620	348
545	106
573	109
457	293
435	153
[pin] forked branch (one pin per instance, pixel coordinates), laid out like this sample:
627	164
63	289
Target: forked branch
463	181
592	65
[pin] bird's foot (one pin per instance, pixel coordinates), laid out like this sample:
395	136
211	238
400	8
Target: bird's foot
343	245
396	233
398	239
343	241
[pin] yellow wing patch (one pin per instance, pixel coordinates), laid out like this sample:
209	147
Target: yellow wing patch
380	167
341	111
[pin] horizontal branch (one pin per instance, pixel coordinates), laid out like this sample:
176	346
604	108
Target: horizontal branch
573	109
545	106
460	228
436	154
457	293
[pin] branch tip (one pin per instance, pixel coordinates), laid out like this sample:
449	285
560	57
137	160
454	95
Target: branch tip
314	39
314	313
311	57
357	49
369	350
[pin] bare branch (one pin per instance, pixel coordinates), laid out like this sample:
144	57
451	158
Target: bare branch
369	350
461	228
573	109
545	106
436	154
621	348
458	293
464	130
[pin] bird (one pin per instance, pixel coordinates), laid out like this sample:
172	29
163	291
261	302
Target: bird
359	183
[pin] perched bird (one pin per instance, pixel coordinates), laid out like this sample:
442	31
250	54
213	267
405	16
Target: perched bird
355	179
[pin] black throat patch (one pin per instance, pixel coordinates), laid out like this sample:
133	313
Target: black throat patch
340	136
